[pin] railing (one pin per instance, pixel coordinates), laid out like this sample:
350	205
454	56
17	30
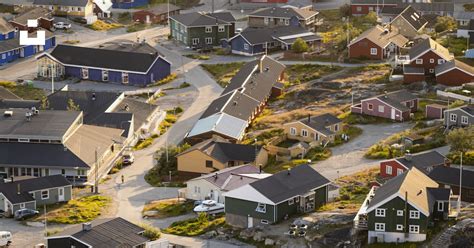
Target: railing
402	59
360	220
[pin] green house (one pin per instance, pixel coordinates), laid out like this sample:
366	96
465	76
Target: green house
199	30
275	198
404	208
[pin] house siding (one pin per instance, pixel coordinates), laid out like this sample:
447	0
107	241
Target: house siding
28	51
28	205
427	65
118	4
311	133
434	112
387	111
404	28
187	34
459	113
65	242
361	49
238	47
411	78
238	208
454	77
7	36
53	196
394	165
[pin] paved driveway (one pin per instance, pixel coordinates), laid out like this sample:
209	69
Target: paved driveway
23	236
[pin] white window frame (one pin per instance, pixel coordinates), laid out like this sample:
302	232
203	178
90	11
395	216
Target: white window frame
431	70
399	227
287	22
221	28
381	108
440	206
432	61
359	8
414	214
246	46
388	169
208	40
370	106
265	20
373	51
399	212
464	119
263	221
291	201
453	117
304	133
125	75
261	208
399	171
22	205
414	229
379	227
43	197
195	41
85	73
105	75
441	61
208	29
419	61
293	131
380	212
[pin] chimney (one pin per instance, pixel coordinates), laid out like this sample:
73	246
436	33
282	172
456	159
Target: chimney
309	118
408	155
385	94
18	188
419	192
86	226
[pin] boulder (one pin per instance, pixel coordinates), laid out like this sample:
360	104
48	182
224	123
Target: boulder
258	236
269	242
246	234
209	235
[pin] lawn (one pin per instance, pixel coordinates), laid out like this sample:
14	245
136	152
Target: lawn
314	154
100	25
181	3
168	208
223	72
166	80
303	73
198	56
26	91
196	226
454	45
76	211
6	8
136	27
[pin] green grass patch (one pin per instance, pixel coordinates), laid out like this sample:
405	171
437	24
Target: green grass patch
142	144
150	232
314	154
196	226
184	85
136	27
454	45
168	208
263	136
198	56
302	73
223	72
100	25
6	8
181	3
166	80
353	119
352	131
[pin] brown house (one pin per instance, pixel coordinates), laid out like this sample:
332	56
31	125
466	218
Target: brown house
454	73
157	14
42	15
397	105
216	154
321	129
377	43
283	16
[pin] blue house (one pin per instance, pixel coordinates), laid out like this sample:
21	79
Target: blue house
128	4
136	68
7	31
11	50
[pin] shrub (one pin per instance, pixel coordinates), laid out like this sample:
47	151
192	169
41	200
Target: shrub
143	144
78	210
7	84
166	80
150	232
299	46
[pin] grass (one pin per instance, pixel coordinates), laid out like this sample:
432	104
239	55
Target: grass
72	42
198	56
263	136
314	154
150	232
195	226
136	27
223	72
25	91
6	8
168	208
100	25
156	175
351	131
454	45
166	80
302	73
142	144
353	119
76	211
181	3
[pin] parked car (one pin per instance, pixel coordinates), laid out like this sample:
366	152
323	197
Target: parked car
128	158
25	213
62	25
5	238
209	207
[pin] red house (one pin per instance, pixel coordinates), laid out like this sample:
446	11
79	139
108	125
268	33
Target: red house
363	7
42	15
424	161
376	43
435	111
157	14
454	73
397	105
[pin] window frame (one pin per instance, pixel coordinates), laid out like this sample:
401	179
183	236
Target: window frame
105	75
399	227
293	131
455	119
85	73
261	207
208	29
400	212
372	49
304	133
440	203
370	106
209	162
291	202
220	28
382	212
43	197
208	40
379	227
414	214
125	76
464	119
195	41
246	46
417	227
419	61
388	169
432	61
381	109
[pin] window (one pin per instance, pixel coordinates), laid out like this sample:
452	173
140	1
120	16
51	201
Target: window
22	205
63	172
4	56
464	119
209	164
105	76
208	40
124	78
81	172
441	61
336	128
414	229
370	106
44	194
399	227
359	9
291	201
419	61
197	189
292	131
208	29
381	108
221	28
316	136
431	70
399	171
85	73
399	212
304	133
265	222
265	20
195	41
431	61
379	212
440	206
371	8
297	199
380	227
287	22
261	208
388	169
414	214
453	117
246	46
373	51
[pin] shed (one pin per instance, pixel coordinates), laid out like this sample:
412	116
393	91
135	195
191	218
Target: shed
435	111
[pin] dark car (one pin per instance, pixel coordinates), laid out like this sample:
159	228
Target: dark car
25	213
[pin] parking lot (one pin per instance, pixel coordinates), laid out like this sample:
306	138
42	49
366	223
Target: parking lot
23	235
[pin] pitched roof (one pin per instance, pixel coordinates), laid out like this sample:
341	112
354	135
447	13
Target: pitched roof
104	58
320	122
141	110
10	189
5	27
450	176
413	18
285	12
414	183
422	160
426	45
107	233
19	104
443	68
393	2
119	120
220	177
235	104
32	14
220	123
81	3
286	184
6	94
237	181
468	109
129	46
381	37
201	19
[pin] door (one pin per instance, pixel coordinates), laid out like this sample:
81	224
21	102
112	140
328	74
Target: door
22	52
249	222
147	19
61	194
393	114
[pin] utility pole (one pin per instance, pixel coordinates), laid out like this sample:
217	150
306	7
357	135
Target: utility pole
52	78
45	222
96	173
460	184
212	6
166	145
168	18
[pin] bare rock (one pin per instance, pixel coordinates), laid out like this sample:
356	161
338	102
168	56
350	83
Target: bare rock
258	236
246	234
269	241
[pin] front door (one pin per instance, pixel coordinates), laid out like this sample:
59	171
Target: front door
249	222
61	194
393	114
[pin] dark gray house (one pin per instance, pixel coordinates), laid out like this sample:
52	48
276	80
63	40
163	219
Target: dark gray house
459	117
116	232
270	200
34	192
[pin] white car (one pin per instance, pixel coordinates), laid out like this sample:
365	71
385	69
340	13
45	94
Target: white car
5	238
62	25
209	207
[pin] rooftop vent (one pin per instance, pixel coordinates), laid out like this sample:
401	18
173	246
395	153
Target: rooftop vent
86	226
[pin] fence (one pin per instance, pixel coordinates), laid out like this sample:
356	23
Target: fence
455	96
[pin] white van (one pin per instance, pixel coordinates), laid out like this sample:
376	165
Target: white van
5	238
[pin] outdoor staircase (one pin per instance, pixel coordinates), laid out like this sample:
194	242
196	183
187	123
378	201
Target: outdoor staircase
445	238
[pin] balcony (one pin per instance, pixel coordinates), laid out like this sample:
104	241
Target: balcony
360	220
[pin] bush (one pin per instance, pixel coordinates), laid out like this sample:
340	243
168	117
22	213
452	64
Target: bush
150	232
184	85
467	158
166	80
100	25
79	210
299	46
162	168
7	84
141	144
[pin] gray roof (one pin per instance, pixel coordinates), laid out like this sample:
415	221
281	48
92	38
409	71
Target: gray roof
161	8
428	44
18	103
235	104
219	178
256	35
442	68
141	111
129	46
10	190
321	122
413	17
199	19
6	94
450	176
464	15
107	233
423	160
46	125
469	109
285	12
389	188
287	184
375	2
33	14
432	7
81	3
120	120
396	98
5	27
12	44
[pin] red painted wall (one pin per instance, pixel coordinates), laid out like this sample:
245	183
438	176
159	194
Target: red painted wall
392	163
264	1
411	78
365	9
454	77
375	111
362	48
426	62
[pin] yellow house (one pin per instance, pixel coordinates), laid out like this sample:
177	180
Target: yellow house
76	8
216	154
318	129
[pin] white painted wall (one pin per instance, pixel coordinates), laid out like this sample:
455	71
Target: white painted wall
392	237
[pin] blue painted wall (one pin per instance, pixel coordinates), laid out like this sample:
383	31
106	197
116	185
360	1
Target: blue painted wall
12	55
7	36
237	44
294	21
128	4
